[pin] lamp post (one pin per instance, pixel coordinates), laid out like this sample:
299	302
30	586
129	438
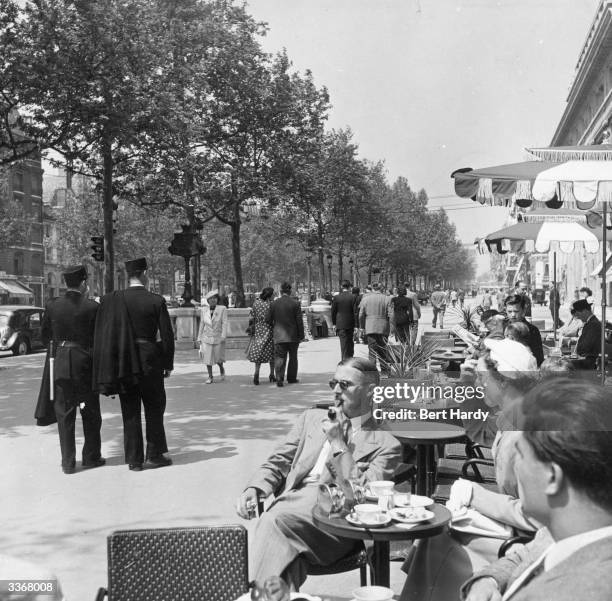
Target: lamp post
329	267
351	263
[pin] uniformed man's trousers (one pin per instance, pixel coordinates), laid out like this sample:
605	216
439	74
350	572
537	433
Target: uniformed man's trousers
65	406
151	393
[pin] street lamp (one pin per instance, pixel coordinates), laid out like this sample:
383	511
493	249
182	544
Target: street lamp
329	266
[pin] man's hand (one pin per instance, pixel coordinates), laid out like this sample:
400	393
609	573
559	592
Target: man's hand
334	430
484	589
167	373
468	369
246	502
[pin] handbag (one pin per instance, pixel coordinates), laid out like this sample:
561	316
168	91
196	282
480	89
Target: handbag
250	331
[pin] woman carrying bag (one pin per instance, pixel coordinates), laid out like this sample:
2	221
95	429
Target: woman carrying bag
261	346
212	334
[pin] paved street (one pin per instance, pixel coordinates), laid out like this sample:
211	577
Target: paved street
217	435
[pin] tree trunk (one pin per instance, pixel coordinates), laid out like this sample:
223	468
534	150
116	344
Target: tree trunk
322	286
236	257
340	270
107	207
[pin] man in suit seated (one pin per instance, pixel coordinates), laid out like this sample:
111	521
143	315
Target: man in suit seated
515	309
317	450
588	346
564	476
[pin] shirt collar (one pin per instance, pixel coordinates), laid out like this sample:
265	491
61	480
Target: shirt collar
136	286
562	549
357	422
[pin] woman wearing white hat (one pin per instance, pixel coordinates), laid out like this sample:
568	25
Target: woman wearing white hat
212	334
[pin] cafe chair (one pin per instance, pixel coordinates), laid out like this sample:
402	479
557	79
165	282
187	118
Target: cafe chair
522	539
359	558
177	564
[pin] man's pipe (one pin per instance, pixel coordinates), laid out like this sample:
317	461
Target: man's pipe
51	371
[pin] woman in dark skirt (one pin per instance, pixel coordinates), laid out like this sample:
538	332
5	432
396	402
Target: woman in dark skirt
261	347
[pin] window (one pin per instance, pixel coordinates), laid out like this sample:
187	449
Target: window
34	320
18	263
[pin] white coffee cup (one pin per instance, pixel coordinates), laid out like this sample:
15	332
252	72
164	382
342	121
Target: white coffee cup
366	513
382	487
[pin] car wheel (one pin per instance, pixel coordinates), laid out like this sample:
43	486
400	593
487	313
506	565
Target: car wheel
21	347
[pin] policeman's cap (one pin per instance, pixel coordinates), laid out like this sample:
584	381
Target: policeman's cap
74	275
136	265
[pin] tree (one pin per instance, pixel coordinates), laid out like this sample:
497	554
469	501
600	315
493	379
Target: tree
86	79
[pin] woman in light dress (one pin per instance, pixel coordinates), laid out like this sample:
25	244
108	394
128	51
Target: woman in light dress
212	335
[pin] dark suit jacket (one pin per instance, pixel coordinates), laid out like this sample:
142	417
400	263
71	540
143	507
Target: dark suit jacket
285	317
133	339
589	343
535	343
343	311
71	318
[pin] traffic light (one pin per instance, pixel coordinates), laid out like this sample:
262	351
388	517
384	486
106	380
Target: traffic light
98	248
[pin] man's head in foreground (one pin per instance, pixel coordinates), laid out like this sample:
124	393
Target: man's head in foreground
563	462
353	385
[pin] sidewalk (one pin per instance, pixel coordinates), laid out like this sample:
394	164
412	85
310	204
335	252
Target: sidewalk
217	434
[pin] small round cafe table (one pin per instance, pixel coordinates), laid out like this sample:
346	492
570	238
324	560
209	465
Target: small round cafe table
425	436
383	536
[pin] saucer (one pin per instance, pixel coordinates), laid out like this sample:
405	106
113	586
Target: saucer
352	519
415	501
403	515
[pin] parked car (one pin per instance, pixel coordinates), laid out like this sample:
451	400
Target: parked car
20	328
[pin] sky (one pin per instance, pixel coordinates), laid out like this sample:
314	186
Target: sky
430	86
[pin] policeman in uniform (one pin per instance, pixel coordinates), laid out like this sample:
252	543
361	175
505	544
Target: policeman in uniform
133	353
69	323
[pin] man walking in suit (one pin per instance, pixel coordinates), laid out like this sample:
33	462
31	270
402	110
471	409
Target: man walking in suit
133	353
68	323
416	313
343	318
438	303
564	478
374	314
316	451
285	317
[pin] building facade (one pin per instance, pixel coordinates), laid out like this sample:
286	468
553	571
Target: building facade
21	263
587	119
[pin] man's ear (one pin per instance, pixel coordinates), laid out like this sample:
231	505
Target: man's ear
555	479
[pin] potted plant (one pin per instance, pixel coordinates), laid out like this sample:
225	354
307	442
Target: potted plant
404	362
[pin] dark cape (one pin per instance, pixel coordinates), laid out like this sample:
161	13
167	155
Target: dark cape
45	412
116	360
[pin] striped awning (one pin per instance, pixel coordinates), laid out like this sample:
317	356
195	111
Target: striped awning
582	185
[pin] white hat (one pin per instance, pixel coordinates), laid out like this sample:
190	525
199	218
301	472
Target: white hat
212	293
512	358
